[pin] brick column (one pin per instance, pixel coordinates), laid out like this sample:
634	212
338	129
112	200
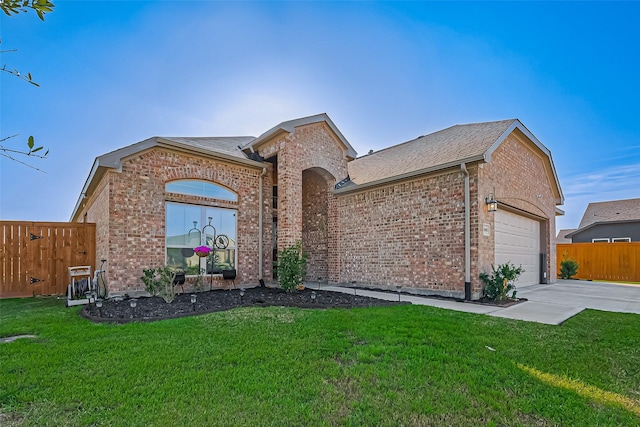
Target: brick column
289	198
333	258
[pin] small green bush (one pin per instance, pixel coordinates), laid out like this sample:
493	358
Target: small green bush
568	268
292	265
501	280
159	282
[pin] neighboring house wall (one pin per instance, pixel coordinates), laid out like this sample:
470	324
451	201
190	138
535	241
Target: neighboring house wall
610	231
518	176
136	212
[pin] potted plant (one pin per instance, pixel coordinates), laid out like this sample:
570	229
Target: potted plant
202	251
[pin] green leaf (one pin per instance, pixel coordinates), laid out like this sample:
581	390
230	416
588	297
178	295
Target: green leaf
36	149
31	142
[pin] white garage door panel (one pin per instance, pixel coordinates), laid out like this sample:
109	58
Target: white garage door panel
517	240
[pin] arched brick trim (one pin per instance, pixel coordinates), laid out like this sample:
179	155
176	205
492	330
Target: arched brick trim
135	219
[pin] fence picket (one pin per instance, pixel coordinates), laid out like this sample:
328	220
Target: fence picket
34	256
618	261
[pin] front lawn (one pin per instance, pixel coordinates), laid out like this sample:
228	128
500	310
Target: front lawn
402	365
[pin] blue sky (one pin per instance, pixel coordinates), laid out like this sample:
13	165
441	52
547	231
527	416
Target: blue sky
117	72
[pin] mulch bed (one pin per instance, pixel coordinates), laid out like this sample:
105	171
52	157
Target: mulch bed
155	308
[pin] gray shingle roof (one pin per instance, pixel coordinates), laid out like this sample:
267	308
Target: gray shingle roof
616	210
449	146
562	233
225	145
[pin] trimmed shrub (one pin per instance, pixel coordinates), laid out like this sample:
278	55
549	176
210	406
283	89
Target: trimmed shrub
501	281
292	265
159	282
568	268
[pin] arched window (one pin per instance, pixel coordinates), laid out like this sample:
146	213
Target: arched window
199	188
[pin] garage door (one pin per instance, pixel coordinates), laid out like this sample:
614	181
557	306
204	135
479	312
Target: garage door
517	240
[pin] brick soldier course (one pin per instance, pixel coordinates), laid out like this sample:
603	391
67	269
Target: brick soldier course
394	217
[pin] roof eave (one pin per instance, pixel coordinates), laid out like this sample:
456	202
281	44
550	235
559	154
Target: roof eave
113	160
408	175
580	230
167	143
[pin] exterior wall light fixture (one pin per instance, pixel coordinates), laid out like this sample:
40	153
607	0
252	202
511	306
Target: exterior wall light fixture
492	203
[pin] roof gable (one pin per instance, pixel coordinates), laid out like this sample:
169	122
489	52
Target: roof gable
446	148
226	148
290	125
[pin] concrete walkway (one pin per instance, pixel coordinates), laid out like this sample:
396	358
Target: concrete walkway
551	304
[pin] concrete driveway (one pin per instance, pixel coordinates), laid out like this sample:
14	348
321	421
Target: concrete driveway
557	302
551	304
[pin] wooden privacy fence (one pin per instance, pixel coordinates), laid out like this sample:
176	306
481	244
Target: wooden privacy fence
619	262
34	256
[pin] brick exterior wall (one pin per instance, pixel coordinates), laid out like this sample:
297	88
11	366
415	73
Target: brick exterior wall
134	216
97	212
316	148
520	177
409	233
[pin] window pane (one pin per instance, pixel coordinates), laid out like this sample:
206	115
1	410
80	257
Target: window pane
225	260
189	226
183	225
176	257
202	189
224	222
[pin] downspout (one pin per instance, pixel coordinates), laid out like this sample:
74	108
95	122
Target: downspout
260	201
467	234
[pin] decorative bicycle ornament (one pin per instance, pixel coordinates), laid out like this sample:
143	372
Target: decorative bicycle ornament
213	240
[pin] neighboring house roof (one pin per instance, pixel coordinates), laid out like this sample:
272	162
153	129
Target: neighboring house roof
615	211
612	211
439	150
227	148
290	125
562	235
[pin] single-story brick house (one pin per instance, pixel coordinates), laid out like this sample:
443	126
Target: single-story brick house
414	214
611	222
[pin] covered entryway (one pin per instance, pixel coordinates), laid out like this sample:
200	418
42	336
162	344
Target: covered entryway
316	186
517	240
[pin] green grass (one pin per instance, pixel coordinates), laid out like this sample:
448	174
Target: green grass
402	365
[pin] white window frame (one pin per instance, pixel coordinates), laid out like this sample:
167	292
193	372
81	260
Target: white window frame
621	239
600	240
